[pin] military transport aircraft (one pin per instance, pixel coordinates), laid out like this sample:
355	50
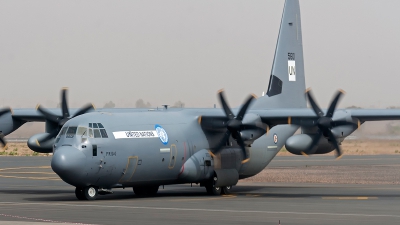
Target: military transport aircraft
98	150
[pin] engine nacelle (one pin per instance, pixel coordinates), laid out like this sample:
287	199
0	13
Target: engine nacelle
301	143
45	147
8	124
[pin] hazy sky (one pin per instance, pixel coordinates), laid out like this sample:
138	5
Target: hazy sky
164	51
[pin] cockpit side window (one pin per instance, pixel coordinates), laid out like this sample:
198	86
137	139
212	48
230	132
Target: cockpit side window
103	133
96	133
71	132
95	125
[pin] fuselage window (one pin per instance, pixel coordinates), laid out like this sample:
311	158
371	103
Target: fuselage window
96	133
95	125
103	133
71	132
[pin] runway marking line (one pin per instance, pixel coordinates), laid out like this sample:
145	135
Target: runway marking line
201	210
349	198
8	171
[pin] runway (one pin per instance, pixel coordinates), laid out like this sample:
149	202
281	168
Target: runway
32	193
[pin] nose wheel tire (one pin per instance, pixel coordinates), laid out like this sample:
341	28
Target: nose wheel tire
79	193
90	193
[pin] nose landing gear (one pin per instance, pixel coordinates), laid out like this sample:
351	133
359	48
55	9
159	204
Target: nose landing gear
86	193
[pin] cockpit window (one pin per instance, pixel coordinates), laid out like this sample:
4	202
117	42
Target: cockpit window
100	125
63	130
95	125
71	132
103	133
90	133
96	133
90	125
82	131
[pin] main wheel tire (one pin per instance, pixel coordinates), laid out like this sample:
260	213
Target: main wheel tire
210	186
227	190
211	190
90	192
79	193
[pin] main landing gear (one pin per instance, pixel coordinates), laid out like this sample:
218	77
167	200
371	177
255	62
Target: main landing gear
212	190
86	193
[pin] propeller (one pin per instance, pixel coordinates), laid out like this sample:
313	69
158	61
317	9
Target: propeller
232	125
60	120
2	139
325	122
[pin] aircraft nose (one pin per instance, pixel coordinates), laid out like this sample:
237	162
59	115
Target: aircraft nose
68	163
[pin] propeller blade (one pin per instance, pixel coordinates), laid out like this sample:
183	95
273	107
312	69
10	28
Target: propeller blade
84	110
225	106
64	104
242	145
49	136
335	144
314	105
222	143
243	110
48	115
334	102
4	111
314	143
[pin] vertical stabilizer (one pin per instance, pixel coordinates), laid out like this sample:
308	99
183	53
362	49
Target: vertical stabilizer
286	88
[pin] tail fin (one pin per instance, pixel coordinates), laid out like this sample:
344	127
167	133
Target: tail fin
286	87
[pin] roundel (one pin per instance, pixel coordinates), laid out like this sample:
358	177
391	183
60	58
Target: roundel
275	138
162	134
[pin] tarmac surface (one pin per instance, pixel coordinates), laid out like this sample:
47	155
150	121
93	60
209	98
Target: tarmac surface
30	193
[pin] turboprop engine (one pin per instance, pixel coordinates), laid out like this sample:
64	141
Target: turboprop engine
300	143
7	124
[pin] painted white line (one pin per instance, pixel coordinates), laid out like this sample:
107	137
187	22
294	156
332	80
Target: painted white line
272	146
205	210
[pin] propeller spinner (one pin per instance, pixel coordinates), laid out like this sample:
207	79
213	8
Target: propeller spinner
325	122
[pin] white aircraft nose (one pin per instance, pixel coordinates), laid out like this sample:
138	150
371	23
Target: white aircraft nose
69	163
